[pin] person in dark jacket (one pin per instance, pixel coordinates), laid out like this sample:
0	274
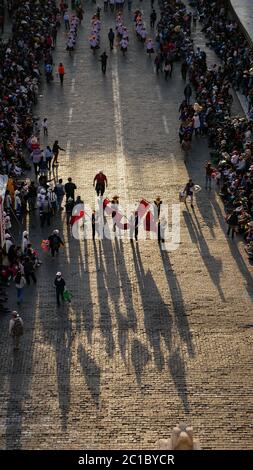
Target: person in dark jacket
153	17
55	149
111	37
29	270
70	189
188	93
103	59
60	287
232	221
55	242
157	214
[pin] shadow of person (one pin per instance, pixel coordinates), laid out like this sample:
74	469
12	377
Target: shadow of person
105	321
157	319
178	373
178	303
213	265
91	373
140	356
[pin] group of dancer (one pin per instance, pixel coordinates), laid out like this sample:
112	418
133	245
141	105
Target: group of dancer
122	33
94	39
141	32
72	34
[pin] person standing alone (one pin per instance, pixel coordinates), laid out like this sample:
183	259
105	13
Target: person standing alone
111	37
61	72
60	287
16	329
101	183
103	59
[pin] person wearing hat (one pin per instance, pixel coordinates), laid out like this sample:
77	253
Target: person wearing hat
60	287
55	242
100	182
16	329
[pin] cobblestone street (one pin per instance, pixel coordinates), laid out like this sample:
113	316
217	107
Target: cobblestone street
152	337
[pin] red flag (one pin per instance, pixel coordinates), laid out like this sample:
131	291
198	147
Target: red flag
75	218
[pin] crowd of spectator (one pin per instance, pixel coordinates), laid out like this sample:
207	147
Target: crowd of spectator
206	107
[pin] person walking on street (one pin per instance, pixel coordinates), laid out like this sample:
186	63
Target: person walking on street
184	68
209	172
232	221
61	72
187	93
103	59
157	217
66	20
48	154
59	191
32	196
20	284
55	150
45	212
55	242
134	220
45	127
188	190
101	183
111	37
70	189
16	329
94	224
153	17
29	270
69	208
60	287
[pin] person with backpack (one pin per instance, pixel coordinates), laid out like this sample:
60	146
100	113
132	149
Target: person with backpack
20	283
16	329
55	242
59	284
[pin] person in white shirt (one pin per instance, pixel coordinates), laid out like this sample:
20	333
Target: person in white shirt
45	127
123	45
25	241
